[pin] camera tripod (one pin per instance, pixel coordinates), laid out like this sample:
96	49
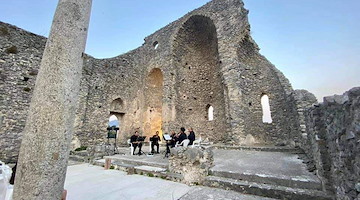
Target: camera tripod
108	144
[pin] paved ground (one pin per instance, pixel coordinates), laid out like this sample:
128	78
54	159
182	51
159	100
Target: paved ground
2	189
265	164
87	182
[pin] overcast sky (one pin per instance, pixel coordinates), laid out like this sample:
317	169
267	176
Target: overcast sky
315	43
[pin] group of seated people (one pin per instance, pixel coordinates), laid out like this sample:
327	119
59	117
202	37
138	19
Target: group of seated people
181	136
175	138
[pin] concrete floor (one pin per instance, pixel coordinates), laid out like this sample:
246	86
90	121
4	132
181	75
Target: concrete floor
266	164
87	182
84	181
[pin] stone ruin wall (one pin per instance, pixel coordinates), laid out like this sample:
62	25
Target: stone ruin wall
227	73
20	56
259	77
333	131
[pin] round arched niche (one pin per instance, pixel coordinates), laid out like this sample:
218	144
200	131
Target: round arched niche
117	105
153	102
199	80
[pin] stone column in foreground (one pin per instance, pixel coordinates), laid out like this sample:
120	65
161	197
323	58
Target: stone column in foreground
44	150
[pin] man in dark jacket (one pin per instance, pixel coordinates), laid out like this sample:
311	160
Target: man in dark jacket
135	142
182	135
174	139
191	136
155	142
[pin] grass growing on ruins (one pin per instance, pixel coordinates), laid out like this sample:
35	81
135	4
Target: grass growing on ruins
81	148
12	50
4	31
27	89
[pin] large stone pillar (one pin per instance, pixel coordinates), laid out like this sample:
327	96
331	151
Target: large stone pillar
44	151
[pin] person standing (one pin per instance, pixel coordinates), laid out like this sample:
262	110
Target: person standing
191	136
155	142
135	142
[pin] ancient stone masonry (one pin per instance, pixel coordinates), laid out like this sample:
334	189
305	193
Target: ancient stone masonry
20	56
304	100
192	163
333	129
205	59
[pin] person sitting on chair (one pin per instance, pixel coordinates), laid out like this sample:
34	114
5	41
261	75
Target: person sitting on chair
182	135
174	139
155	142
135	142
191	136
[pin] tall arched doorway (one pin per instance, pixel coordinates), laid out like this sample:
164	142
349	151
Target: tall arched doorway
199	80
116	115
153	103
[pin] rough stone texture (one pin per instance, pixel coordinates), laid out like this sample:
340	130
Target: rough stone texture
201	193
49	126
17	80
260	166
193	163
206	58
334	135
304	100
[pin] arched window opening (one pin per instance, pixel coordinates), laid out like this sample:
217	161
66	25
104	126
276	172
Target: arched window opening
210	113
156	44
113	126
266	117
113	121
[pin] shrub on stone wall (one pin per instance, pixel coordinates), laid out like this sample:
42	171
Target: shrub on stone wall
4	31
12	50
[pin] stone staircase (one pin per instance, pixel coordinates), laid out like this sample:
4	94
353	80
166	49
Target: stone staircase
152	166
265	189
263	171
274	173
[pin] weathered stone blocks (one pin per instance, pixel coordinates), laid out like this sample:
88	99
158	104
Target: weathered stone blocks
192	163
334	138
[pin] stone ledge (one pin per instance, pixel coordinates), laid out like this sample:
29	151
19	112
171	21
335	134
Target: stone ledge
294	182
266	190
260	148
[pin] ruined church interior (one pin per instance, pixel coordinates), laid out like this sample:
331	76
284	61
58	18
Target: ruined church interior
255	134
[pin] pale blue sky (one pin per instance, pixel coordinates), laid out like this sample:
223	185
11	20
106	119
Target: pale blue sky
315	43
